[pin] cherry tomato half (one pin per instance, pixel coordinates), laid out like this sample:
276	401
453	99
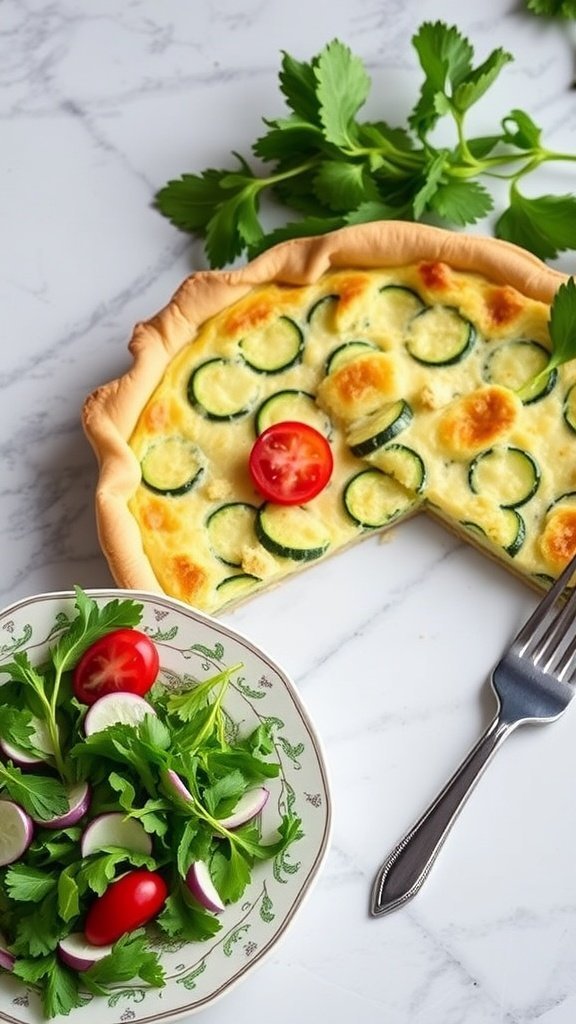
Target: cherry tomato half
122	660
127	903
290	463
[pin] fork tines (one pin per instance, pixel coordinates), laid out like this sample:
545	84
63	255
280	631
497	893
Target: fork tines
551	629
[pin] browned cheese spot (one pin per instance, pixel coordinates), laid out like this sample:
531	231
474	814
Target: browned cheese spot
477	420
558	541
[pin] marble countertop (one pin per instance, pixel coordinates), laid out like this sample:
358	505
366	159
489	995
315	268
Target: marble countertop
100	104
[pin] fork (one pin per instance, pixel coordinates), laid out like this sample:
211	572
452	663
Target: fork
532	683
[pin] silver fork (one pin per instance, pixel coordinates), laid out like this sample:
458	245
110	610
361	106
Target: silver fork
532	683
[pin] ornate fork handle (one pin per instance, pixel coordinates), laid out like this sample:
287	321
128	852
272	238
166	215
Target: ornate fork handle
406	868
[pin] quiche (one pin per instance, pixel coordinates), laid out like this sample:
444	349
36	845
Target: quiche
419	356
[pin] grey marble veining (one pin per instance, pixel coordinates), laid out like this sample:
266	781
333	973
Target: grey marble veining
100	104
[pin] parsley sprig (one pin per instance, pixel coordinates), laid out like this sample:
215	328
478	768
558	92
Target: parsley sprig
334	169
562	331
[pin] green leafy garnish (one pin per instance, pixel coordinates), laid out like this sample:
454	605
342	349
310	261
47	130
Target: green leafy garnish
562	330
333	168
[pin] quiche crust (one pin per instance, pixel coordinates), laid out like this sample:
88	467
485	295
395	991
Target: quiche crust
245	300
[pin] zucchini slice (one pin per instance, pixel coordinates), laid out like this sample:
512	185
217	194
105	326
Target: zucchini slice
230	529
291	531
172	466
372	499
222	390
508	475
295	405
234	587
380	429
274	348
569	409
320	316
344	353
397	306
514	364
512	533
440	336
403	463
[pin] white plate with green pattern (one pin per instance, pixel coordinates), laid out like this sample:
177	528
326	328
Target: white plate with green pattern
193	647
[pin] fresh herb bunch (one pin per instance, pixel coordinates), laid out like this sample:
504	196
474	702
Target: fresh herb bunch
335	170
45	894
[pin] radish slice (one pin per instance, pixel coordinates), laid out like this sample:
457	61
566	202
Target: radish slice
247	807
7	959
40	737
16	831
202	887
79	954
113	829
174	783
78	804
114	708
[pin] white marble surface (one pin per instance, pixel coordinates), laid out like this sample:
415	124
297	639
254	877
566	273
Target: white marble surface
390	644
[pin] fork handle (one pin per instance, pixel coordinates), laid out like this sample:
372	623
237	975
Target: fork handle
406	868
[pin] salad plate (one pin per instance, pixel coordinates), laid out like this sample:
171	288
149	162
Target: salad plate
194	647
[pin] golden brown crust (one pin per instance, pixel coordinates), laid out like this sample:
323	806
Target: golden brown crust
110	413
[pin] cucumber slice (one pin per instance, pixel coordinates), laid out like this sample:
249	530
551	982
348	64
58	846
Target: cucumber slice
172	466
292	405
230	529
569	409
372	499
514	364
380	429
275	348
344	353
234	587
291	532
508	475
440	336
403	463
222	390
397	306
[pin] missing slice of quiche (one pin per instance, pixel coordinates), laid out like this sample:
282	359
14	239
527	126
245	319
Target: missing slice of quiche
420	356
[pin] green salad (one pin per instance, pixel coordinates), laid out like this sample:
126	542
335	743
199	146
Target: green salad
129	808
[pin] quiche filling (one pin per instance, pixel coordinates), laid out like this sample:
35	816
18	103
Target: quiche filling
419	376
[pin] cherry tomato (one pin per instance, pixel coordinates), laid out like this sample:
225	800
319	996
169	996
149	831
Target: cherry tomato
128	903
290	463
122	660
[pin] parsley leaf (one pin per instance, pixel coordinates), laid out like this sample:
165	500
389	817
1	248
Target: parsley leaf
562	328
185	919
29	884
41	796
130	958
342	88
546	225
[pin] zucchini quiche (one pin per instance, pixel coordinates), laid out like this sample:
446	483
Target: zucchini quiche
416	361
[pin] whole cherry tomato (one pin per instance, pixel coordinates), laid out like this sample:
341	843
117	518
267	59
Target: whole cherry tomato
125	659
128	903
290	463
